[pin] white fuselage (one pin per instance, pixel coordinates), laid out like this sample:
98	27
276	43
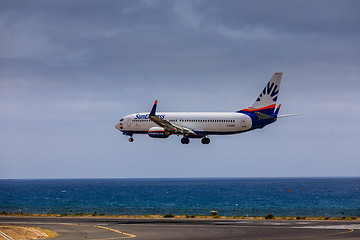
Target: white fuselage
203	123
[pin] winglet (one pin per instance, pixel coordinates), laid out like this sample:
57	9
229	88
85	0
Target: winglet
277	110
153	110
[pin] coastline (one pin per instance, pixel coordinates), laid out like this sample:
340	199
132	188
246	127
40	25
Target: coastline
171	216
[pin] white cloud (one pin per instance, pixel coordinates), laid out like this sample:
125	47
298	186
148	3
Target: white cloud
256	33
22	40
187	15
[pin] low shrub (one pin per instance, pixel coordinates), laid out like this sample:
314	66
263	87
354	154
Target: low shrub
169	215
269	216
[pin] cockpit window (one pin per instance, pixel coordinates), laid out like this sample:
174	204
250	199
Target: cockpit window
121	120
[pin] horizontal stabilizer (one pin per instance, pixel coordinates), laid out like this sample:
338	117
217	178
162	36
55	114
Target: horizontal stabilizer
263	116
291	115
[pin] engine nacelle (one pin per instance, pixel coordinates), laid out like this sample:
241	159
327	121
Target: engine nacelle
158	132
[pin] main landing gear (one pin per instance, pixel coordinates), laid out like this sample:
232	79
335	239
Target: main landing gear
185	140
205	140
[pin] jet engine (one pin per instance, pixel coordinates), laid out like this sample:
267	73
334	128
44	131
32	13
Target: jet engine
158	132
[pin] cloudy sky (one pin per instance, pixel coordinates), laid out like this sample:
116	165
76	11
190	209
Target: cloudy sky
70	69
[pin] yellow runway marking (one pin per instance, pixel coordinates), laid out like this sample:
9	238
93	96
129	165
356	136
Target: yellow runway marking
311	236
127	235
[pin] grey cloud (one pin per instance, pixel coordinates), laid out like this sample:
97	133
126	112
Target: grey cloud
287	16
70	69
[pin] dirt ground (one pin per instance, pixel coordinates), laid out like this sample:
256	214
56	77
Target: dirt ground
20	233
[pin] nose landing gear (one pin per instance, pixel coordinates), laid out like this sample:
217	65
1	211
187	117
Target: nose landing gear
131	139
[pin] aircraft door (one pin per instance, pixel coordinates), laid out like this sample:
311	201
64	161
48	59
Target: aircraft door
243	121
129	122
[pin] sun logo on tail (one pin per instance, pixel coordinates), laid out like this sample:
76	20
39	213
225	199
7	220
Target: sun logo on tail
270	92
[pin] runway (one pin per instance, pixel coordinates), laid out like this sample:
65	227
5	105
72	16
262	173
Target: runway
116	228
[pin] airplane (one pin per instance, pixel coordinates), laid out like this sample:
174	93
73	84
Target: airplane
202	124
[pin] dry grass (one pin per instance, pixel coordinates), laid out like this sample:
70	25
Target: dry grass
25	232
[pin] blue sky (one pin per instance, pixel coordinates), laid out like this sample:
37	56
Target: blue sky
70	69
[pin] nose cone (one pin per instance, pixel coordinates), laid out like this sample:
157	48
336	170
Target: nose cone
117	126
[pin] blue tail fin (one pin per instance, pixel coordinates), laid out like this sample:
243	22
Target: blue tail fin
266	101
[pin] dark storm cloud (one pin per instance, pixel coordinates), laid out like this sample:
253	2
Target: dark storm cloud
174	37
161	36
291	16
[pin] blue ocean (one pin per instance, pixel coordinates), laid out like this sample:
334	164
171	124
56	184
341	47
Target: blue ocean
239	196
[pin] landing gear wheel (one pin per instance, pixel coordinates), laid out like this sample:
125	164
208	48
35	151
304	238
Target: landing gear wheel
185	140
205	140
131	139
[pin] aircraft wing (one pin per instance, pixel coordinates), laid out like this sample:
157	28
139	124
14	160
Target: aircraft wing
172	127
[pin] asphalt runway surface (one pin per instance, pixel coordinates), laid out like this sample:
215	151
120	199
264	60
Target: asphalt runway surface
115	228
